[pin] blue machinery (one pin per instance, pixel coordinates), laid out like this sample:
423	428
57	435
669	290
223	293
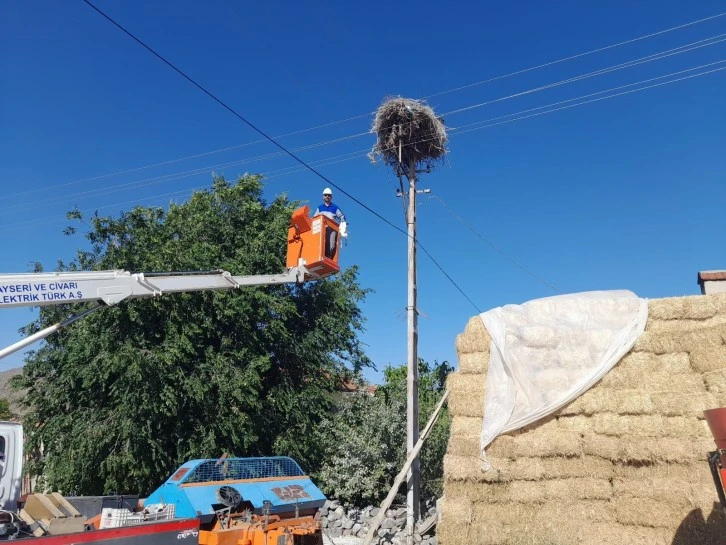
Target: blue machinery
271	485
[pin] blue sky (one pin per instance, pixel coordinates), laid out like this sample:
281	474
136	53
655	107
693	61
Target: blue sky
626	192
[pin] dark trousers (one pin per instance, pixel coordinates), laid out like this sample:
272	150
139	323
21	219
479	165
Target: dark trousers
331	242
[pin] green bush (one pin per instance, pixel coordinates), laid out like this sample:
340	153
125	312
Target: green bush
364	441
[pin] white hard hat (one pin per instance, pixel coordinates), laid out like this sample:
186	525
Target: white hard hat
327	191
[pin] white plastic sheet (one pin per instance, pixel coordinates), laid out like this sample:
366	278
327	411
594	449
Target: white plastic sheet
547	352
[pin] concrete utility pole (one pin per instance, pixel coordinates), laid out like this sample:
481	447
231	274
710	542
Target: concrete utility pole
410	134
414	474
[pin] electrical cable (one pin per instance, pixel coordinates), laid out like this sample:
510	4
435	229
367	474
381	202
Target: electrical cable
160	179
595	73
166	177
272	140
532	68
289	152
491	244
487	123
572	57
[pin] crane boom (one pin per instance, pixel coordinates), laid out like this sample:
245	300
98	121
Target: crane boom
112	287
311	254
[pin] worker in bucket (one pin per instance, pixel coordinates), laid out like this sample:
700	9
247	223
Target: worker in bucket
332	211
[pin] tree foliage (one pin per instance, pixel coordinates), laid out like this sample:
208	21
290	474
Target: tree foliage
122	397
365	439
5	412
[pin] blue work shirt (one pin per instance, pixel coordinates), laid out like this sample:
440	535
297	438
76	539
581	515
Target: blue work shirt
330	210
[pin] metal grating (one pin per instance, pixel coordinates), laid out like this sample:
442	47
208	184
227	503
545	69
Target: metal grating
244	468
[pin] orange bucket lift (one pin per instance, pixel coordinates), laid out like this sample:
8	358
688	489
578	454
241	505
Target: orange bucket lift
716	419
313	242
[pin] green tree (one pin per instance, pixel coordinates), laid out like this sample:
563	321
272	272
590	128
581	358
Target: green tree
121	398
5	412
365	439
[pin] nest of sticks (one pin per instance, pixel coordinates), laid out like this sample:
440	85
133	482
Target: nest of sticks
410	135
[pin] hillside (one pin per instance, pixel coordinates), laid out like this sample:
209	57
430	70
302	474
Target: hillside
8	393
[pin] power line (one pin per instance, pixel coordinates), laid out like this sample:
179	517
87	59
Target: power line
361	154
272	140
572	57
332	123
194	156
487	123
601	98
168	177
491	244
629	64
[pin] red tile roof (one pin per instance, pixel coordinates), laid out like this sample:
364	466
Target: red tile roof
704	276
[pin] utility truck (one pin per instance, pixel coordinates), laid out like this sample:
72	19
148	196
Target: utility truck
231	501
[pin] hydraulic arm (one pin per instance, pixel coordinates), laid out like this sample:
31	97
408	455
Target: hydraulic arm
312	253
111	287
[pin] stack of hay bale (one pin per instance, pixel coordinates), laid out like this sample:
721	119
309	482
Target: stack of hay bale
625	463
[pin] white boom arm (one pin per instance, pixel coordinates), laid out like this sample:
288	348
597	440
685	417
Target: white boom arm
112	287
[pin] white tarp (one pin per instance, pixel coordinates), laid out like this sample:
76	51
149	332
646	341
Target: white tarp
547	352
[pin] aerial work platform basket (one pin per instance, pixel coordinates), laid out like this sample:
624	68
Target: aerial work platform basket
313	242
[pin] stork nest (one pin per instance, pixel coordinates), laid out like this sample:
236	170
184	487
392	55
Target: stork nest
411	128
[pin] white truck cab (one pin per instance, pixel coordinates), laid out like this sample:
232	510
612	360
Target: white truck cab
11	464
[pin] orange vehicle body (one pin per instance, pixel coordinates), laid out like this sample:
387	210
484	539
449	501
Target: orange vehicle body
261	530
313	242
716	419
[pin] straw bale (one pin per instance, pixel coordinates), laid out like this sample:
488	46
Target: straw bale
664	449
503	534
604	533
451	531
464	445
654	450
678	326
683	485
695	307
462	468
715	382
475	337
621	401
654	381
653	513
601	446
502	447
557	512
473	363
709	359
578	488
583	488
663	343
674	363
562	532
466	425
535	469
518	491
675	404
654	425
470	469
682	495
550	441
668	472
459	509
466	397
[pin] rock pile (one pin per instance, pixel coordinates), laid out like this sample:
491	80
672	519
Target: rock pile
354	523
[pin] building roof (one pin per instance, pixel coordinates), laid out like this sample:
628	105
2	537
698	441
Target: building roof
704	276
